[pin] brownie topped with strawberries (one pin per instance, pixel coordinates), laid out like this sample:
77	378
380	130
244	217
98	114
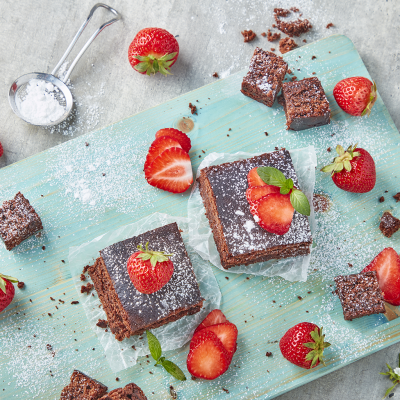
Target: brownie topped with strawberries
255	223
146	281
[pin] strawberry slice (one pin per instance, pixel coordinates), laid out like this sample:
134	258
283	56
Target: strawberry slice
207	358
170	171
158	146
179	136
256	192
274	213
254	179
213	318
227	333
387	267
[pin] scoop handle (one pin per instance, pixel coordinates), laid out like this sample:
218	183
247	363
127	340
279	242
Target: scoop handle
89	42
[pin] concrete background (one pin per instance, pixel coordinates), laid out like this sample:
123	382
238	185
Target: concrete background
35	34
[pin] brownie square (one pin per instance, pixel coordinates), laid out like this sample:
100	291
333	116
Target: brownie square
305	104
82	387
359	295
264	79
18	221
129	392
239	239
389	224
130	312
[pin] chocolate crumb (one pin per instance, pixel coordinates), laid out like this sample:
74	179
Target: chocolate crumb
215	75
74	302
87	288
86	144
328	149
304	40
268	354
263	34
266	133
273	36
49	314
381	199
329	25
272	48
172	392
63	261
225	390
227	135
286	45
193	378
309	292
350	265
49	347
227	278
102	323
43	247
397	197
281	12
20	285
313	58
294	78
104	174
51	298
83	277
293	28
314	74
229	129
248	35
299	297
117	379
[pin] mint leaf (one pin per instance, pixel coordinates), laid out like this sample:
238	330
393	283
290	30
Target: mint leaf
154	345
271	176
300	202
174	370
287	186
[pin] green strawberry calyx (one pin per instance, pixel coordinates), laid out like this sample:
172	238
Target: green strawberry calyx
317	347
153	256
151	64
3	279
343	161
272	176
372	99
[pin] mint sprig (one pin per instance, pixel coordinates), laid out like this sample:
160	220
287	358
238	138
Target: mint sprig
274	177
156	352
394	375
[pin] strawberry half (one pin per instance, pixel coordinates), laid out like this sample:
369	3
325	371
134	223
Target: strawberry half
7	290
179	136
227	333
255	193
158	146
171	171
213	318
254	179
387	267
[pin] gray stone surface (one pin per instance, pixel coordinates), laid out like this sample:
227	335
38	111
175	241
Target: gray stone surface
34	35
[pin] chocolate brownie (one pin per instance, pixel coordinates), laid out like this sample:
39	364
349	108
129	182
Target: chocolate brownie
82	387
360	295
264	79
389	224
18	221
239	240
305	104
130	312
129	392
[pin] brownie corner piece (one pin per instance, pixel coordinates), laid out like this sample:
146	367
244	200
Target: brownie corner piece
359	295
18	221
264	78
130	392
389	224
305	104
83	387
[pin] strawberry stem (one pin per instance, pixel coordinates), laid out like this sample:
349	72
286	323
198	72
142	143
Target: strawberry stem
153	256
3	282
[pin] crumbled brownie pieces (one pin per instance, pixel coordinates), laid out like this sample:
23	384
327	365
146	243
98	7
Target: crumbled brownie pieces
273	36
85	268
263	34
286	44
329	25
83	277
102	323
268	354
74	302
381	199
248	35
281	12
397	197
291	28
20	285
313	58
215	75
193	108
87	288
389	224
272	48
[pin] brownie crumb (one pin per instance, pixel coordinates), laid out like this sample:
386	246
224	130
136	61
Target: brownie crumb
281	12
389	224
225	390
104	174
193	378
289	71
314	74
117	379
74	302
273	36
49	347
49	314
86	144
329	25
313	58
294	78
52	299
85	269
83	277
381	199
193	108
227	278
397	197
266	133
87	288
294	9
229	129
350	265
102	323
172	392
272	48
215	75
43	247
268	354
20	285
248	35
328	149
299	297
63	261
263	34
292	28
304	41
286	44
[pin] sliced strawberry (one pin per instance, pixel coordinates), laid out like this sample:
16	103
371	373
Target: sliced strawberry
207	358
171	171
255	193
179	136
158	146
213	318
274	213
387	267
227	333
254	179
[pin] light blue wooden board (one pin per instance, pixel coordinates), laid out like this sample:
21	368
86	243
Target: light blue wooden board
347	233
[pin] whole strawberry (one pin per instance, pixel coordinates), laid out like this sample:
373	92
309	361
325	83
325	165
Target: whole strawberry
7	290
149	270
303	345
356	95
153	50
353	171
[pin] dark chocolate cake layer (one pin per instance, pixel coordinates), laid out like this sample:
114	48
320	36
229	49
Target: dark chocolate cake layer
130	312
82	387
239	239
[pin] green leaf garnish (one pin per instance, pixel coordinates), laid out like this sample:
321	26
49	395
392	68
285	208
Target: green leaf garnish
174	370
154	345
394	376
300	202
271	176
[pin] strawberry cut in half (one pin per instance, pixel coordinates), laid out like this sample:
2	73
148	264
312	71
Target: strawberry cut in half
158	146
227	333
255	193
213	318
179	136
171	171
254	179
387	267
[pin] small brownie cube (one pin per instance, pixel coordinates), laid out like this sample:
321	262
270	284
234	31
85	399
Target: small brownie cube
264	79
129	392
389	224
18	221
82	387
360	295
305	104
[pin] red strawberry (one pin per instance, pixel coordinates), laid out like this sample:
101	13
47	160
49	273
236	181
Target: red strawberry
227	333
1	149
356	95
213	318
149	270
207	358
158	146
7	290
254	179
170	171
303	345
274	213
353	171
387	267
179	136
153	50
256	192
